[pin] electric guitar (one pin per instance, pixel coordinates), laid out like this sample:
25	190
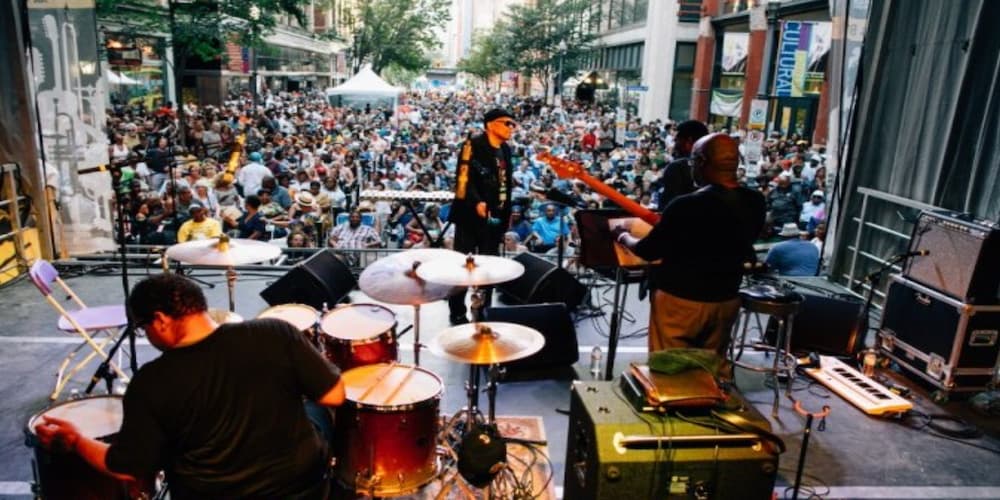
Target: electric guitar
566	169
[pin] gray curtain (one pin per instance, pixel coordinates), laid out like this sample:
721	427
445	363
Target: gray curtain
926	127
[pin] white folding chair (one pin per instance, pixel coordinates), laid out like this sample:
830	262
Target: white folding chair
99	326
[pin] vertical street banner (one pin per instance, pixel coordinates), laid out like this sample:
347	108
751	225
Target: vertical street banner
802	51
71	98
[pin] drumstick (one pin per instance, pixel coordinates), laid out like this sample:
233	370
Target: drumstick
381	376
406	378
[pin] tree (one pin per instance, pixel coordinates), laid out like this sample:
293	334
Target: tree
200	28
397	32
487	57
536	31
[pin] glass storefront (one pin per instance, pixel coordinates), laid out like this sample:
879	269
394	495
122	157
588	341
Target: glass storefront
139	77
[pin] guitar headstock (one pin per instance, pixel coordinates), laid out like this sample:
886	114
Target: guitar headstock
565	169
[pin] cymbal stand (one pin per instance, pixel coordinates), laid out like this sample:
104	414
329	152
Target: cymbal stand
416	334
231	285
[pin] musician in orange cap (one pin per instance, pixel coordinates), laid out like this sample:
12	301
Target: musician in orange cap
703	239
481	209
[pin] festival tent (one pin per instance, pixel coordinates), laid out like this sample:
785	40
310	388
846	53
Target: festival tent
363	88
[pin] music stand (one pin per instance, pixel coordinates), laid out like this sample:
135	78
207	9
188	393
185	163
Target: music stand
597	251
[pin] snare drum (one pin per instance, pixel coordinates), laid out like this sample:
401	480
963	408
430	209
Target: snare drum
358	335
386	432
63	475
301	316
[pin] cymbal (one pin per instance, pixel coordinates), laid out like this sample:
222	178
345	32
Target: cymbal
393	280
473	270
223	251
487	343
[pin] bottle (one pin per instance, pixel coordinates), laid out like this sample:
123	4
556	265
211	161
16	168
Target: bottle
870	359
595	361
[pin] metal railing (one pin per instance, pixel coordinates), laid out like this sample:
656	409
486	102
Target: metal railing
859	252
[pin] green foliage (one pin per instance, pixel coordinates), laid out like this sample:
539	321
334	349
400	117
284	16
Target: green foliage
396	32
534	33
488	56
200	26
400	76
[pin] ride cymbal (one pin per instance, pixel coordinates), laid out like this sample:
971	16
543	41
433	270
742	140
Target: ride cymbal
223	251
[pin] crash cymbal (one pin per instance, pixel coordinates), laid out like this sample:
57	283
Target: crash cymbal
223	251
393	279
222	316
487	343
473	270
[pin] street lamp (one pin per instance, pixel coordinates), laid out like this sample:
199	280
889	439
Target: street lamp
562	48
254	18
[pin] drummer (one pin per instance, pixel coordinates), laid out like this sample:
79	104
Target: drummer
221	409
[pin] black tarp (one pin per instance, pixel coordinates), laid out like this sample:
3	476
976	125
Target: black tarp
927	119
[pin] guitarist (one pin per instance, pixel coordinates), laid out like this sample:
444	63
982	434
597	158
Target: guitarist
703	239
481	210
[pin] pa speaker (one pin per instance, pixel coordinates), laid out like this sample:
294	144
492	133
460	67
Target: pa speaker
543	282
827	325
554	323
323	278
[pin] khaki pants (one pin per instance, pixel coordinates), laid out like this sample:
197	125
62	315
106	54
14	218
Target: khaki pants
675	322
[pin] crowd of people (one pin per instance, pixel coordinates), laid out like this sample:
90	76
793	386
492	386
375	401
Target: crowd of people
305	162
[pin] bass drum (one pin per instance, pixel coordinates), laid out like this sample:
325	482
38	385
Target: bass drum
61	475
386	433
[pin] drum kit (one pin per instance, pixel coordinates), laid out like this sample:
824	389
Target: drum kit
388	439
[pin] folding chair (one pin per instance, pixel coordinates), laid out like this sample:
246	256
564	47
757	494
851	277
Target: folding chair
88	322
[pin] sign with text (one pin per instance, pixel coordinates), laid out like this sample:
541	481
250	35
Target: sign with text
758	114
802	49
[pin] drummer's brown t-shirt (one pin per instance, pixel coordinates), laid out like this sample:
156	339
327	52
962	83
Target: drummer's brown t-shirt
225	417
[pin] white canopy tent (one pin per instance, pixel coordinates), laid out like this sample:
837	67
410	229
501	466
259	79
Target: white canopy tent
121	79
364	87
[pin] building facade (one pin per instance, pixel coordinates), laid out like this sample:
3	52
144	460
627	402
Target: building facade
644	54
762	66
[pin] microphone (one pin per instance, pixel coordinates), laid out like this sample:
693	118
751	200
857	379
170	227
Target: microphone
915	253
553	194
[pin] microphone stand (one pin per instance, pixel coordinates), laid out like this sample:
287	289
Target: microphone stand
104	370
874	280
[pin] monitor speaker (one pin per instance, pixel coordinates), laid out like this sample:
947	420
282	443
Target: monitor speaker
321	279
827	325
542	282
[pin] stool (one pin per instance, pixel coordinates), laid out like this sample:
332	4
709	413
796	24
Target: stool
781	305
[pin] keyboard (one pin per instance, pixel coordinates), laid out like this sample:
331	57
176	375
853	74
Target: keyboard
868	395
392	195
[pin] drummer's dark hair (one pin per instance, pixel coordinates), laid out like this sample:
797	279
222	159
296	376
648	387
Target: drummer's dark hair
171	294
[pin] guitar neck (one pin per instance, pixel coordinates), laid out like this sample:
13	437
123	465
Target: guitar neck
571	169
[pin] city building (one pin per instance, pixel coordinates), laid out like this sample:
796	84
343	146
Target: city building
762	65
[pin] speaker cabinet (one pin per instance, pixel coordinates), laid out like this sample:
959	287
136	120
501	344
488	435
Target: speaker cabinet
323	278
555	324
543	282
952	345
963	257
600	467
827	325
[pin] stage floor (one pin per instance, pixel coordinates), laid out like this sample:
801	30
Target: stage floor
855	457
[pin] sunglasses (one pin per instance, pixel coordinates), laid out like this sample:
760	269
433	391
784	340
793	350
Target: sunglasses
509	124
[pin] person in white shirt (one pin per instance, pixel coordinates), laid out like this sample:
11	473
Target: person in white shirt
251	175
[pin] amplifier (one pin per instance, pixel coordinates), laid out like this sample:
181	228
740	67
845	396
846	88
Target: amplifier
963	257
615	452
952	345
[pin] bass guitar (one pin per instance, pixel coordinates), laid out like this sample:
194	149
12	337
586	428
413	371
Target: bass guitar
567	169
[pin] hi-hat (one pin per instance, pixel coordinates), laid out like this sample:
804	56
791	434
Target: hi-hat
472	270
394	280
487	343
223	251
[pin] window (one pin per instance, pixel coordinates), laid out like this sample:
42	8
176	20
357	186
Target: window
680	93
641	10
